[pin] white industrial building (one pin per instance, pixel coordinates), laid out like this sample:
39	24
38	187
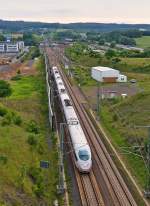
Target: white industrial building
12	47
106	74
2	47
21	45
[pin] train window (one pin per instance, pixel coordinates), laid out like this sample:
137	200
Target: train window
83	155
63	90
60	83
56	72
73	122
58	77
67	102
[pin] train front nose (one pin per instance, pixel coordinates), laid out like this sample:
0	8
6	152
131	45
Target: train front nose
85	166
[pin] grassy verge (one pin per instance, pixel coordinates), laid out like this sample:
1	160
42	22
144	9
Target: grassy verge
134	163
143	42
25	140
117	162
33	53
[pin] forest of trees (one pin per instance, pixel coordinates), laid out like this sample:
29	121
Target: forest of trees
22	25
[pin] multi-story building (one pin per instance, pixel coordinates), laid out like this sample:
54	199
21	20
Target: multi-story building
11	47
21	45
2	47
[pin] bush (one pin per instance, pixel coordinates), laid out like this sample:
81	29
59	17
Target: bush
115	117
40	149
5	89
110	53
38	179
3	111
39	190
32	139
7	120
17	119
16	78
10	117
33	127
3	159
18	72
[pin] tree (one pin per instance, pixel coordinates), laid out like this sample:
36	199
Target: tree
2	38
110	53
29	39
5	89
101	41
113	44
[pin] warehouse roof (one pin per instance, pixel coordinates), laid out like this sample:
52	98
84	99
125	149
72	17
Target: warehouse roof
104	68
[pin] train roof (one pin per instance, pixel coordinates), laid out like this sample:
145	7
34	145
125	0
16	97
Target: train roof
77	136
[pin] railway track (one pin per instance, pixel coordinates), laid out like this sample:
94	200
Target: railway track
89	191
104	185
87	184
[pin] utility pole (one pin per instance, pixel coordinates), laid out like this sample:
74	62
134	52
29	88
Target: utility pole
61	188
98	99
147	187
147	191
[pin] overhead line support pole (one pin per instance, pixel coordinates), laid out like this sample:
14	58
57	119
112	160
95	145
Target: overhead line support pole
147	189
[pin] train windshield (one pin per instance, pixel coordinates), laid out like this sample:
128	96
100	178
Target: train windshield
67	102
84	155
63	90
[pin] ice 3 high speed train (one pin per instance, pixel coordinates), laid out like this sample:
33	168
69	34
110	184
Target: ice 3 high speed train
81	149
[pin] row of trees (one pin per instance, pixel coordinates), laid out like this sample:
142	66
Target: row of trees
101	27
115	36
127	53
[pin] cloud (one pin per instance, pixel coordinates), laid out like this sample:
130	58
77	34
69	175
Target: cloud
77	10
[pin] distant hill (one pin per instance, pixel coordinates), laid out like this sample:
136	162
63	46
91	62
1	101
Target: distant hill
104	27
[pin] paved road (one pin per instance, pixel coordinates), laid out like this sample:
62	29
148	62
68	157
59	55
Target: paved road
5	68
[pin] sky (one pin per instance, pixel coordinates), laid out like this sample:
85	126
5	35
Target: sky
65	11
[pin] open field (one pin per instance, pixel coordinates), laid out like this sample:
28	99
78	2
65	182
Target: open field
84	62
143	42
136	61
25	140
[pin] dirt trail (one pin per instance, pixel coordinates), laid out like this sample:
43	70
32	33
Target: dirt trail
9	71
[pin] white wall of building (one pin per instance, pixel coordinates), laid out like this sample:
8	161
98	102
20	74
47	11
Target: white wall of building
21	45
98	73
12	47
122	78
2	47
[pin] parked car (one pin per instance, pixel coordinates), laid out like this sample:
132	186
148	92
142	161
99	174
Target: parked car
133	80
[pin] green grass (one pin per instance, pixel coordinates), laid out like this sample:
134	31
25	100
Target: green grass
24	88
119	120
29	100
82	76
143	42
138	65
136	61
134	163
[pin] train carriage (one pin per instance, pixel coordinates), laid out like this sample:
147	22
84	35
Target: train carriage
82	152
